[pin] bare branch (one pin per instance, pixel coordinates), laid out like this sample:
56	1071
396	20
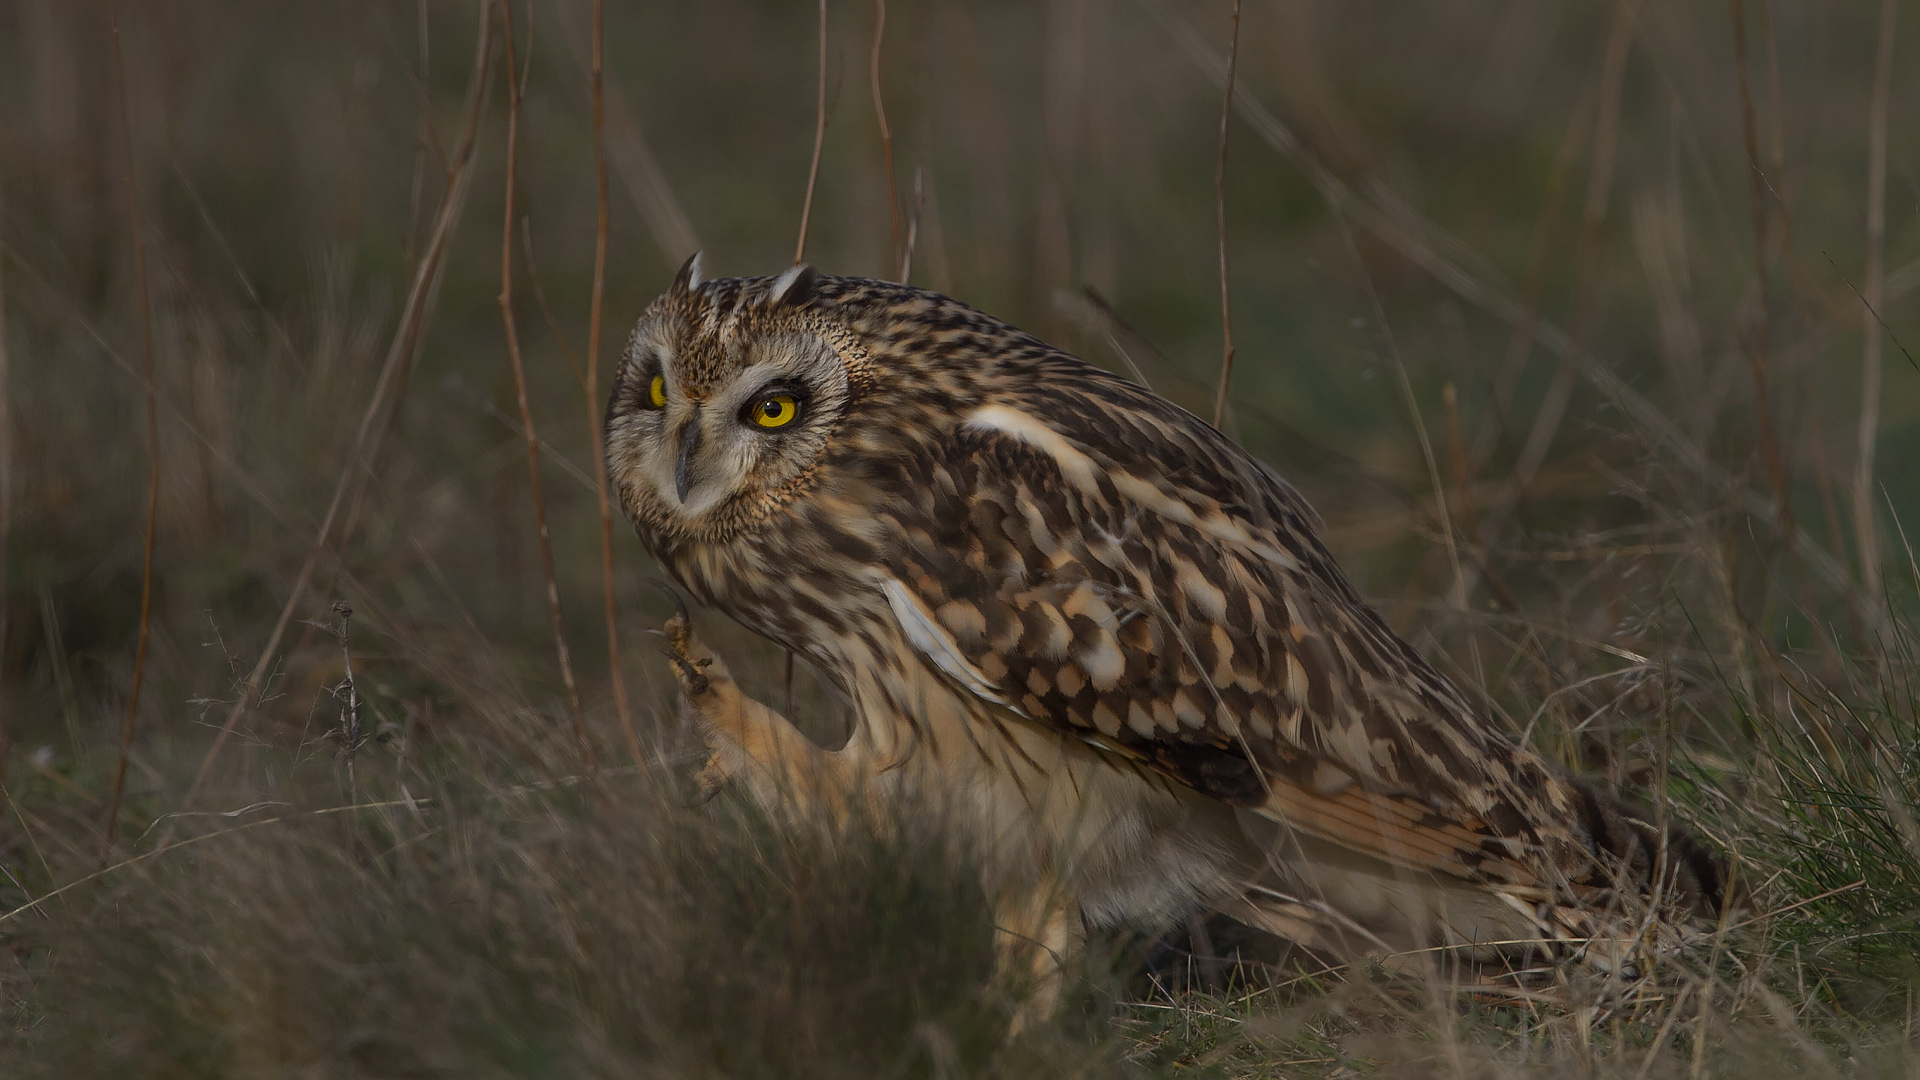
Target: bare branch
1220	223
594	436
819	139
520	396
153	434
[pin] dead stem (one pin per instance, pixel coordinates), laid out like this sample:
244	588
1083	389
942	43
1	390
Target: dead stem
6	497
886	138
819	138
347	692
1426	245
153	433
913	225
1864	527
1457	459
1754	342
520	396
1220	225
595	309
1419	424
386	394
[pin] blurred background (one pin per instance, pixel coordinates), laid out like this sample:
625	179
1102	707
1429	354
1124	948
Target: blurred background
1587	326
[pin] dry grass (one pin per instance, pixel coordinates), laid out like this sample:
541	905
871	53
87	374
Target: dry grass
1550	308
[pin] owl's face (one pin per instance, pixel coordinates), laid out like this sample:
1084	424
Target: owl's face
725	399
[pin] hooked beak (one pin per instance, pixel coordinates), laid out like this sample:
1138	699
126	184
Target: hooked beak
689	442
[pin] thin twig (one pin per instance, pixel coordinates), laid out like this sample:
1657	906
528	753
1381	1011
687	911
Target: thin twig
1755	343
594	435
631	162
1863	502
1457	458
913	225
546	310
520	396
819	139
1874	311
1425	245
886	137
1220	226
6	497
153	434
169	845
1419	423
347	693
400	354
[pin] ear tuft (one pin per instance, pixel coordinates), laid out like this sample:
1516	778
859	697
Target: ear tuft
795	287
688	279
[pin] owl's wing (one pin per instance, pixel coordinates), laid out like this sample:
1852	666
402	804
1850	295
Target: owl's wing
1192	620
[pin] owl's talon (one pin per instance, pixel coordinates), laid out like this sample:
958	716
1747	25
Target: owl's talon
692	681
679	605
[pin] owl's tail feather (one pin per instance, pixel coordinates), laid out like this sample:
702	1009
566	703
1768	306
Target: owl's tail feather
1592	878
1523	955
1566	842
1634	852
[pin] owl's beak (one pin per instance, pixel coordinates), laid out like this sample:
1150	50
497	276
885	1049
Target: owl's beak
689	443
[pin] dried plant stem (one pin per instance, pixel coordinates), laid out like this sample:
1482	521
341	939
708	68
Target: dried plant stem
1587	293
913	225
347	693
1587	298
819	139
1754	342
813	175
520	396
886	137
1220	225
6	498
1750	135
167	844
1426	245
385	397
595	308
1864	527
153	433
1457	458
1459	594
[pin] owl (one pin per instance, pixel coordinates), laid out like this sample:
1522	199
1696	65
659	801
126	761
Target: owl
1107	638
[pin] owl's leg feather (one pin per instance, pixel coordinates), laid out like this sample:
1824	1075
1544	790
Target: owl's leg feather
747	742
1038	933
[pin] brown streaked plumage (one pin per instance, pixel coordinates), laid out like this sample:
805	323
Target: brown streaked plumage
1112	633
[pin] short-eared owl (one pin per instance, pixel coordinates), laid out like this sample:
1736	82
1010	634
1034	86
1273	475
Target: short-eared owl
1108	632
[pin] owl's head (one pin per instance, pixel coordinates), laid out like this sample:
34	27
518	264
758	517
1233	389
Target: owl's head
725	399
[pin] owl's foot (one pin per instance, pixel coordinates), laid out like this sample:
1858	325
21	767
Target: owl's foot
746	741
705	686
1038	935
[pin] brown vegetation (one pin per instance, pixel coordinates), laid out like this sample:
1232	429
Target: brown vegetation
1588	327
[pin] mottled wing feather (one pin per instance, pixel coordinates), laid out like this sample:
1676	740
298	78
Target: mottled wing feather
1402	832
1193	619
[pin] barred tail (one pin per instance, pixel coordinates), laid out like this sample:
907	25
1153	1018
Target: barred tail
1628	842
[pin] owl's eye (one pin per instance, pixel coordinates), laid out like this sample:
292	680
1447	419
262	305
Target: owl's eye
657	392
773	410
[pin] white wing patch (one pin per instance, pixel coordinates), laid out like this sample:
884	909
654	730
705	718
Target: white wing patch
1081	471
1077	467
937	645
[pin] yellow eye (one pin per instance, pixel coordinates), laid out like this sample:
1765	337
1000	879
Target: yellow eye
657	392
774	410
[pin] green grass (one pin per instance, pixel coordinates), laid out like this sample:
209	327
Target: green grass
462	895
